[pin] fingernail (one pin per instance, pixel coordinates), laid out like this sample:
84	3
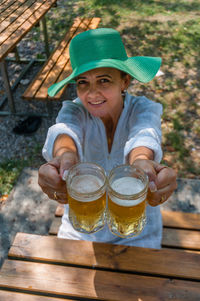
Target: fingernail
64	176
152	186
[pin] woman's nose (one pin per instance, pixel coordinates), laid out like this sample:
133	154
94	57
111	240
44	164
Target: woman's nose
92	90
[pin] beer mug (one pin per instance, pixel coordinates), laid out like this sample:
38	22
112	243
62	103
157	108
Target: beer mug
86	186
127	192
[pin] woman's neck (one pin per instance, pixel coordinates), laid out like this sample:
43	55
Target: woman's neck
110	127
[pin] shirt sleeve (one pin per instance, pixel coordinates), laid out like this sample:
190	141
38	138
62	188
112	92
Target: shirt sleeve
70	121
145	127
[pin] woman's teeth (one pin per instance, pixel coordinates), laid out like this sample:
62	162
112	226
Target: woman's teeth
97	102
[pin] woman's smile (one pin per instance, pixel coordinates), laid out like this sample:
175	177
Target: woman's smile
100	91
97	102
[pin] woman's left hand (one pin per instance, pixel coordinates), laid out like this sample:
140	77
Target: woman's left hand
162	181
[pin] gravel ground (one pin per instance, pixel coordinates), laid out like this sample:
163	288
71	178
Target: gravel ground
27	210
19	146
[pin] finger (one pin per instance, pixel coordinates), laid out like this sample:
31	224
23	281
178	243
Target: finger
57	196
159	167
152	186
65	173
67	160
148	167
166	176
161	195
158	201
48	176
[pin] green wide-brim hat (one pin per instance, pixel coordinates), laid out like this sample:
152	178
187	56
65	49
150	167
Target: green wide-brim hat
103	47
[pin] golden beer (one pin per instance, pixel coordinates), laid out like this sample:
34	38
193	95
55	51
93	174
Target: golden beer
127	190
86	184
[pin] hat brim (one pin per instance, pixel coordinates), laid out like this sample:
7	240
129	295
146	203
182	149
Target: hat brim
142	68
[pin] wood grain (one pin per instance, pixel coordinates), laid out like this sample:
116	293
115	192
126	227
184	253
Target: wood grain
178	238
96	284
182	220
11	41
102	255
15	296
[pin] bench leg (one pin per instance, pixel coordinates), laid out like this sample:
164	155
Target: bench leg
49	107
45	33
7	86
17	57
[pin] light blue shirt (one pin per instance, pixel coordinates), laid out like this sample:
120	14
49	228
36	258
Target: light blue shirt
138	125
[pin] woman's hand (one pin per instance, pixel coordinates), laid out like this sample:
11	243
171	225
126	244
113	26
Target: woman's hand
162	181
51	176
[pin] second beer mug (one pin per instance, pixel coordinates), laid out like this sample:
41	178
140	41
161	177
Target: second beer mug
86	185
127	191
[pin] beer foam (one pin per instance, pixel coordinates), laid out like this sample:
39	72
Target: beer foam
127	186
86	183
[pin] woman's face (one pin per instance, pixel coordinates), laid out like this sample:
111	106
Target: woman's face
100	91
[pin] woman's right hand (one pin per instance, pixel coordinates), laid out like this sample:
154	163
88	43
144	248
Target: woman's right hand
50	176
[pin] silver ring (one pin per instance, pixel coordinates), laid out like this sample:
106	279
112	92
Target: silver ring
55	195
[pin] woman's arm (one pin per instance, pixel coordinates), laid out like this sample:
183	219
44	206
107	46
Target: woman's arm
64	143
140	152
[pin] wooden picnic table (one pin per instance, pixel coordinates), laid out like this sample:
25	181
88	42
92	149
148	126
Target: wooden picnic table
17	17
49	268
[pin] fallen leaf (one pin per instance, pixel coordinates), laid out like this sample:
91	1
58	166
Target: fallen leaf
3	198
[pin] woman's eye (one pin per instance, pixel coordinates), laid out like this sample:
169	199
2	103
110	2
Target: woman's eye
81	83
104	80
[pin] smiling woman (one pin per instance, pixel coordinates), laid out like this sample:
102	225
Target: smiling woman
100	92
107	126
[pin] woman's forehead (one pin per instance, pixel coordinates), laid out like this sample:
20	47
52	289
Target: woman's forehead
104	71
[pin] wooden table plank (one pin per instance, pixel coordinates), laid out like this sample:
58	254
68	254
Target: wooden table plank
23	14
55	225
182	220
11	42
4	5
186	239
88	283
15	296
109	256
59	210
41	76
12	22
14	10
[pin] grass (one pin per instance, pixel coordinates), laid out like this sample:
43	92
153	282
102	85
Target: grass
9	172
11	169
170	29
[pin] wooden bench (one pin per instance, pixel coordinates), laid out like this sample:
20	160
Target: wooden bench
58	65
180	230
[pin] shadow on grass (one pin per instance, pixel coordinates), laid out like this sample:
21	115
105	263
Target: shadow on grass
148	5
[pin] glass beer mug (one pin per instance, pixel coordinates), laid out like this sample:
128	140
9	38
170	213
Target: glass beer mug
127	192
86	186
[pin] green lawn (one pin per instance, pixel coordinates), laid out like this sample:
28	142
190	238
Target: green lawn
170	29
